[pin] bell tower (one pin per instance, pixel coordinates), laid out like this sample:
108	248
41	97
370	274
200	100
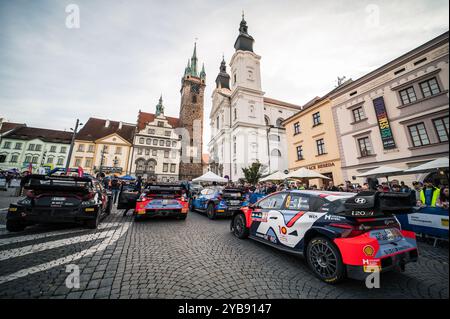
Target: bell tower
191	119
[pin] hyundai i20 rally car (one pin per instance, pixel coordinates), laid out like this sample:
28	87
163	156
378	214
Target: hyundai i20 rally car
340	234
59	199
162	200
218	201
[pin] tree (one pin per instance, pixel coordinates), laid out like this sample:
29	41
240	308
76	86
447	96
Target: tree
253	173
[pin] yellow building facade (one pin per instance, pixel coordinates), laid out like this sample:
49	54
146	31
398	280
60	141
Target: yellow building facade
312	142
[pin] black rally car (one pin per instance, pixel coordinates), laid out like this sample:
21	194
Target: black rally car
59	199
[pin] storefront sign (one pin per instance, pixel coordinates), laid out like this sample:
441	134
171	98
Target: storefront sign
323	165
383	123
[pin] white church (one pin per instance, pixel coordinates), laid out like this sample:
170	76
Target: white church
246	125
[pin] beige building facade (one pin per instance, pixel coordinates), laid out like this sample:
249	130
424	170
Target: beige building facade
312	142
396	115
103	146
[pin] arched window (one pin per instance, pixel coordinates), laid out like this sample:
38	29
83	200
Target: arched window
151	165
267	120
279	122
140	163
275	152
194	98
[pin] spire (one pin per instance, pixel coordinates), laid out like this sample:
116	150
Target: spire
223	78
203	73
244	41
187	70
194	61
160	107
223	65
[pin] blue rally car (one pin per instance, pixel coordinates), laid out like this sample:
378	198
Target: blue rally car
218	201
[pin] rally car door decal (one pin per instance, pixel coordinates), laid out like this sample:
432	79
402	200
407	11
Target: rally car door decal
290	233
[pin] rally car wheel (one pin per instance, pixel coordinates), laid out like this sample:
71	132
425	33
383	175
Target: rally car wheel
239	228
14	226
108	208
325	260
93	223
210	211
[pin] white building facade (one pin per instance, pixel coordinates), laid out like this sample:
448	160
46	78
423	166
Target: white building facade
246	126
43	148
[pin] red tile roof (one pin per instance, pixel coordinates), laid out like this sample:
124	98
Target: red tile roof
144	118
8	126
95	128
29	133
281	103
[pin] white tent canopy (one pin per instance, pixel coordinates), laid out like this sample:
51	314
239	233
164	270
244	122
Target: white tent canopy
382	171
277	176
210	177
432	166
305	173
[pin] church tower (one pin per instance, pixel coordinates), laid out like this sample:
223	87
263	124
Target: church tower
191	119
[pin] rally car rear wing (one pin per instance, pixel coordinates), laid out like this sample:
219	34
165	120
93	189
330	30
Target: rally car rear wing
164	189
57	183
373	204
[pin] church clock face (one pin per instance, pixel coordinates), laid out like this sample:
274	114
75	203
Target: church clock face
195	88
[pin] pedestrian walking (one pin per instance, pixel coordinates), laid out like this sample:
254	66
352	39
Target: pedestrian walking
115	189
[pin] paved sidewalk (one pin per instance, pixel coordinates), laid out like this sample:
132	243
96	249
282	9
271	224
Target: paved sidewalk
195	258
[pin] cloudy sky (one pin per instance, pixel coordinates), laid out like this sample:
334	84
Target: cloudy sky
126	53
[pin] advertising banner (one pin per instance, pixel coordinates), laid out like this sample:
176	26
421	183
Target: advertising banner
383	123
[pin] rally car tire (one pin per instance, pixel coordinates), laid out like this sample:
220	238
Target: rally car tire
108	208
14	226
325	260
93	223
210	211
239	228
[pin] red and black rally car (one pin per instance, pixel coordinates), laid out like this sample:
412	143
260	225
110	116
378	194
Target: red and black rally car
162	200
340	234
59	199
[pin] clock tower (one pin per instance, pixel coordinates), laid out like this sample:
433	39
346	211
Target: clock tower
191	119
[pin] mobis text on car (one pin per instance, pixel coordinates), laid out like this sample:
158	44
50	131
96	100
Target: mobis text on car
59	199
340	234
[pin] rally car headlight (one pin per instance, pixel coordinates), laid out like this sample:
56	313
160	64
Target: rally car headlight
26	201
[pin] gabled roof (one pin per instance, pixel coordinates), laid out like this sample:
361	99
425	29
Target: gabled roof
144	118
8	126
281	103
95	128
46	135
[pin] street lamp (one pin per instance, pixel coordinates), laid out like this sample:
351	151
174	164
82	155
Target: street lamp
72	143
102	158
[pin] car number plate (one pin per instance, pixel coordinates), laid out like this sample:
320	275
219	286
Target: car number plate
58	199
391	234
234	202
